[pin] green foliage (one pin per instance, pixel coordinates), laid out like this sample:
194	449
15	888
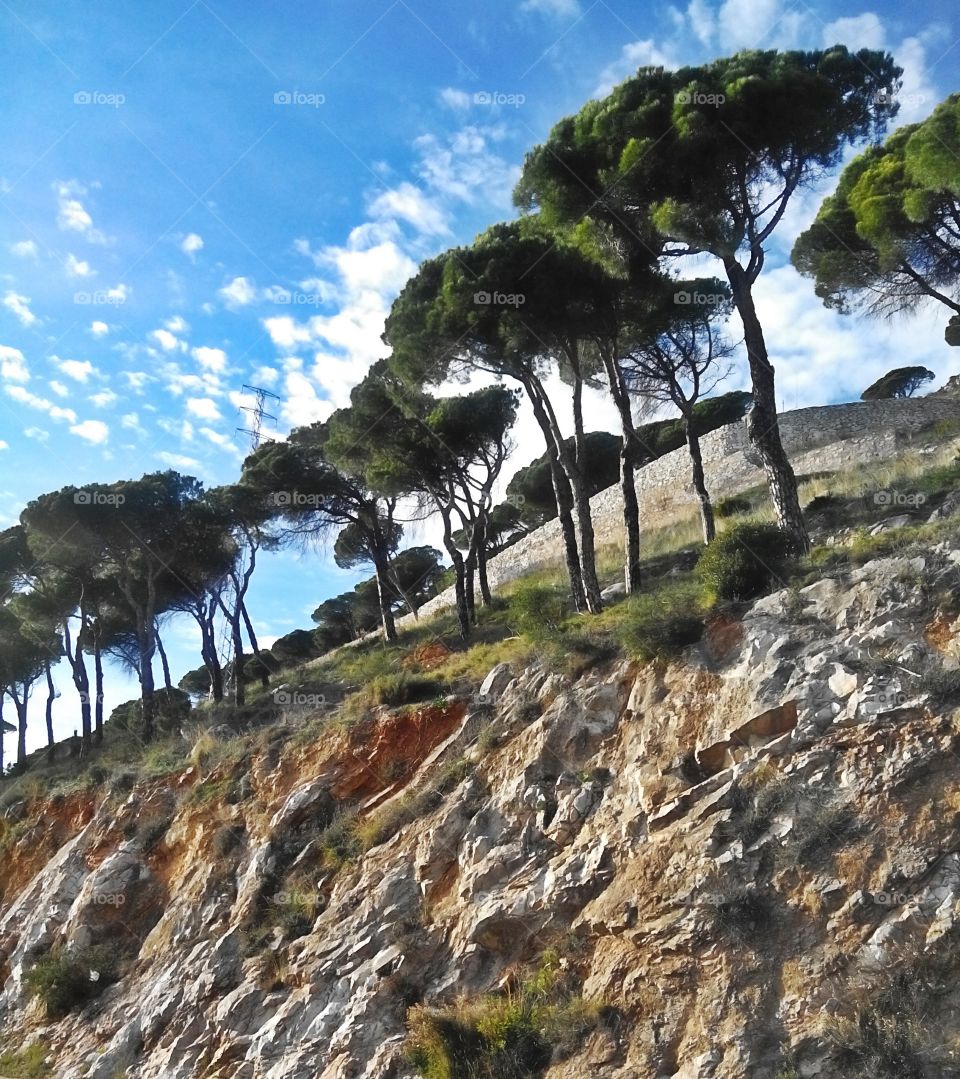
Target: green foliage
539	611
732	506
66	980
900	382
660	624
511	1036
886	239
403	688
746	561
29	1063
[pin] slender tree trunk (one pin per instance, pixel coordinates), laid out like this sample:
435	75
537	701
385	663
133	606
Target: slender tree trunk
699	481
581	504
254	644
762	425
470	565
208	652
98	707
239	661
148	704
386	610
20	702
564	499
628	489
459	571
165	665
2	733
486	597
51	696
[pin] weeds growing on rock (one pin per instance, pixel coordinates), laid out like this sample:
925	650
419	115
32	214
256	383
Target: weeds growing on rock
516	1034
66	980
29	1063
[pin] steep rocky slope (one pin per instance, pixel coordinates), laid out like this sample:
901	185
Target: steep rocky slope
747	861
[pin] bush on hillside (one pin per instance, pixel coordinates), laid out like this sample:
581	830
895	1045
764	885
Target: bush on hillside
658	625
64	980
404	688
539	611
731	506
746	561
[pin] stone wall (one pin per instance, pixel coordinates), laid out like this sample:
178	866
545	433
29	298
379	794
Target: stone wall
821	439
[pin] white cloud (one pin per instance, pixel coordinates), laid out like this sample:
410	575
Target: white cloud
265	376
37	433
77	267
4	445
72	215
24	249
104	399
213	359
131	421
98	329
409	203
41	404
191	244
118	294
20	306
177	324
636	54
455	99
857	32
59	388
136	380
286	332
556	8
218	438
13	366
178	460
303	405
79	370
462	167
167	341
203	408
94	431
239	292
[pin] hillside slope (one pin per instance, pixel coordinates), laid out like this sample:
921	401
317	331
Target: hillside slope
742	863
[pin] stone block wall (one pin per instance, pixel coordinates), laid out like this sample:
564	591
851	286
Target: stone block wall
821	439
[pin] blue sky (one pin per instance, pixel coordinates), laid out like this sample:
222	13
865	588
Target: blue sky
195	196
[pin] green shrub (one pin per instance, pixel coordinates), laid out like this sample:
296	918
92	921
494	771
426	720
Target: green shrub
539	611
657	625
29	1063
731	506
64	980
746	561
403	688
511	1036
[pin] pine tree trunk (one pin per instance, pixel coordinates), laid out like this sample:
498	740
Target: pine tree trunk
762	425
564	499
98	707
628	490
51	696
486	597
254	644
699	481
239	661
148	704
167	680
21	705
383	596
581	500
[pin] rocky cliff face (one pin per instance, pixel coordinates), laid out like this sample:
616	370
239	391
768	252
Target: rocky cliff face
749	858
